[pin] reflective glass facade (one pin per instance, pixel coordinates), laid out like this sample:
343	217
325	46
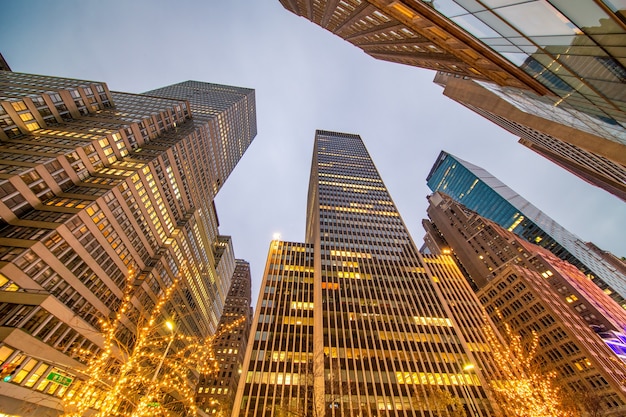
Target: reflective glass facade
481	192
574	48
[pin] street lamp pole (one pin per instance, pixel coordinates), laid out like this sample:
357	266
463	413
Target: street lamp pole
472	405
170	326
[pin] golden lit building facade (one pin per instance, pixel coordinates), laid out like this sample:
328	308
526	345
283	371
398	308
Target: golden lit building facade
355	321
580	329
94	184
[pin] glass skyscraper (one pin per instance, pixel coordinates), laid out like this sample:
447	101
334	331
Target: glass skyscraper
356	321
569	49
568	137
551	71
481	192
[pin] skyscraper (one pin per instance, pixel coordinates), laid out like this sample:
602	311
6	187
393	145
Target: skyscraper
93	184
564	49
354	321
549	68
580	330
570	138
411	33
481	192
216	391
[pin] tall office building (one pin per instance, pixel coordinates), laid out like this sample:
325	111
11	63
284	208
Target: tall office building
481	192
93	184
216	391
552	68
579	328
571	50
570	138
354	321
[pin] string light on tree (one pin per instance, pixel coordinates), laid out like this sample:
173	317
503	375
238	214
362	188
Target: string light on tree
152	378
523	391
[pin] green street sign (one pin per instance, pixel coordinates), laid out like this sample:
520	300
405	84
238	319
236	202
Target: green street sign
153	404
59	379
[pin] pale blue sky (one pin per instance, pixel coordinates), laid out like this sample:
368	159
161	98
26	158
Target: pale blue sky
305	79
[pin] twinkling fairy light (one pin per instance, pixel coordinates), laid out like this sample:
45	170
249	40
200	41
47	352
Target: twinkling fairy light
523	390
155	377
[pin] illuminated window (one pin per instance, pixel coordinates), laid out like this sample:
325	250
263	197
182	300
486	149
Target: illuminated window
299	305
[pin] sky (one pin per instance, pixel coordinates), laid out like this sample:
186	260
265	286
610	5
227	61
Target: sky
305	79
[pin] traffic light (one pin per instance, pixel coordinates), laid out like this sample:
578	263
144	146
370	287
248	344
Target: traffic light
8	371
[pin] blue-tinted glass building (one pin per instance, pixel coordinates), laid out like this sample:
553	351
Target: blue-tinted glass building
483	193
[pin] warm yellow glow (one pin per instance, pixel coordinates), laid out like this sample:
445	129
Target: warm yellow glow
359	210
433	321
330	286
350	254
138	381
516	223
523	391
403	9
468	367
434	378
299	305
298	268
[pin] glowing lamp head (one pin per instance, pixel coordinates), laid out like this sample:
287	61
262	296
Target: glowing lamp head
468	367
276	236
170	325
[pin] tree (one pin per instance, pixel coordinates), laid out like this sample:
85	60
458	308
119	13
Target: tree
440	402
523	390
153	377
585	402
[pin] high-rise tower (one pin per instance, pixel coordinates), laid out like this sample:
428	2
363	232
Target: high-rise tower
580	330
93	184
216	392
570	138
550	68
481	192
354	322
564	49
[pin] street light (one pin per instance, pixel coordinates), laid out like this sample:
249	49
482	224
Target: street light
470	398
170	326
